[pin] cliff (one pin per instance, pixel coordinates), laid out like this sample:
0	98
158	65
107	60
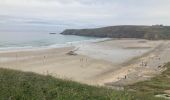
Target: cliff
124	31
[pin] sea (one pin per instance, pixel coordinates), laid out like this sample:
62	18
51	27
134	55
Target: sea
33	40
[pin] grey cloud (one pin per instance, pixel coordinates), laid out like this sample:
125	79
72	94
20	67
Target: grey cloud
82	13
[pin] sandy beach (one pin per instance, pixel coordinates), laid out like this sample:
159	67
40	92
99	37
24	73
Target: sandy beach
111	62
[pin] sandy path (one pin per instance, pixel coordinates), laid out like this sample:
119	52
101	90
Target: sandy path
95	63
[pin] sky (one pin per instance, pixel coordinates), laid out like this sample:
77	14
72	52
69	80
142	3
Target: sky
57	15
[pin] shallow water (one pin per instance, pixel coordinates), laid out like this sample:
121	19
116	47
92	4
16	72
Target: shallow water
18	40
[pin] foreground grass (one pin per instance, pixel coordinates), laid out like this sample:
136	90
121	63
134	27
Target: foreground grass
16	85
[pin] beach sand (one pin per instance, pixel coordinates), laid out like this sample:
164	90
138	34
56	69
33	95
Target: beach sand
95	63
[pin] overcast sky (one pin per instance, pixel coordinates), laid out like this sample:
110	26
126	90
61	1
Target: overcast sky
53	15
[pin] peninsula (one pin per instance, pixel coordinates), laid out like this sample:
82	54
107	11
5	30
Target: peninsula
154	32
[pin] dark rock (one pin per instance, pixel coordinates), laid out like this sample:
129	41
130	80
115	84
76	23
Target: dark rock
52	33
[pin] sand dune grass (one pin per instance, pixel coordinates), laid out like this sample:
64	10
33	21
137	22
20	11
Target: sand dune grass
15	85
155	86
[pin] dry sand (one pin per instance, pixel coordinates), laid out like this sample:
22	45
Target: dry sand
96	63
55	62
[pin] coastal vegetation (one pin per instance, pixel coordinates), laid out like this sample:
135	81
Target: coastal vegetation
154	32
157	86
16	85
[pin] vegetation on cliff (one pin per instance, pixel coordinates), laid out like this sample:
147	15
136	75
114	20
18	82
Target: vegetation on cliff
125	31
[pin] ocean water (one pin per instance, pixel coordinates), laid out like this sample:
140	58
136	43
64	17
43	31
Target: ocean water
23	40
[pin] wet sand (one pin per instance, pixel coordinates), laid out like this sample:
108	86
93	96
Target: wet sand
96	63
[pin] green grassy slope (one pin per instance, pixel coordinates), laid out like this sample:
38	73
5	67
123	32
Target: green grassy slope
16	85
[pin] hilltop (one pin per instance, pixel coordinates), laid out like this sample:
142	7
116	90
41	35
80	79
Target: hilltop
154	32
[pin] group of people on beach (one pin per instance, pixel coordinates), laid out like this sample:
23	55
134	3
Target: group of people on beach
82	61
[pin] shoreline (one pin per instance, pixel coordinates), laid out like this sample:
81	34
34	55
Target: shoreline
85	68
52	46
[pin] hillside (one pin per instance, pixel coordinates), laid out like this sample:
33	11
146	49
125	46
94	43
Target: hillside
16	85
125	31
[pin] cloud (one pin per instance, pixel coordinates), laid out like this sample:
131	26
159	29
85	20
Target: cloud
82	13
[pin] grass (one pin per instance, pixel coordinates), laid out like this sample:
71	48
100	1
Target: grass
16	85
